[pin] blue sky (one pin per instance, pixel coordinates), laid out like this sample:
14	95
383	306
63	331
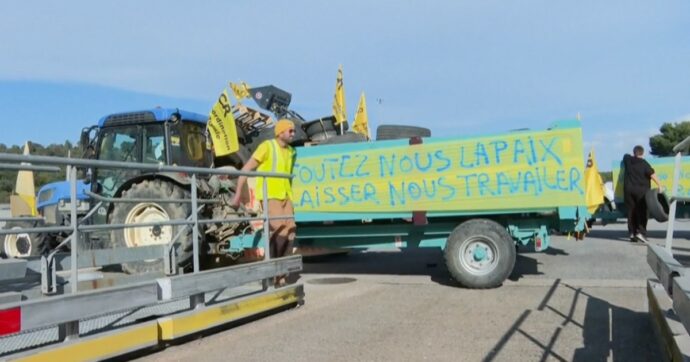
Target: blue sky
457	67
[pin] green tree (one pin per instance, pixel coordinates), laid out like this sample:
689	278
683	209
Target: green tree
671	134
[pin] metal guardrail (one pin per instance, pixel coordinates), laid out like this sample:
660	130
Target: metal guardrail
66	310
29	162
679	149
673	276
47	312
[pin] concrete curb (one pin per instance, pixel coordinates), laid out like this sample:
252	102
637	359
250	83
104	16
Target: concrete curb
673	338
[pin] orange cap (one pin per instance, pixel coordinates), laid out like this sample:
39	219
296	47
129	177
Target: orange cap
283	125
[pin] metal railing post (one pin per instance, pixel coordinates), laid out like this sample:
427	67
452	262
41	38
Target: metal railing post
672	207
195	231
48	276
75	229
195	300
68	331
266	283
267	223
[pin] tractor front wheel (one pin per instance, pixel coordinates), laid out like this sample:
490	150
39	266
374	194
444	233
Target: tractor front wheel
23	244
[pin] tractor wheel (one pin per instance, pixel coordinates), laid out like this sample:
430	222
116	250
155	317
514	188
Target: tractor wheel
480	254
23	244
147	212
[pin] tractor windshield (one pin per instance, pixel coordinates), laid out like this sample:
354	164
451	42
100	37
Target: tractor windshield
131	143
119	144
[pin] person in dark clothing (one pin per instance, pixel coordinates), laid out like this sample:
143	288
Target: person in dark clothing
636	183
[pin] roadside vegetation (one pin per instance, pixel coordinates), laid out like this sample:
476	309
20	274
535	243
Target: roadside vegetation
8	178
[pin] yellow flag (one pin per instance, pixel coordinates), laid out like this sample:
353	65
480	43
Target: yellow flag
24	202
361	124
594	186
339	99
221	125
240	91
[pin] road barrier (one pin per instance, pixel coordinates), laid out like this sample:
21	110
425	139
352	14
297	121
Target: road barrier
669	295
191	299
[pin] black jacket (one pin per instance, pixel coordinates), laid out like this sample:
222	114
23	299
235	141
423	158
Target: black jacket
638	174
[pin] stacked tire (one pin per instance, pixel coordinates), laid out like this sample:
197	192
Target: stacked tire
321	129
395	132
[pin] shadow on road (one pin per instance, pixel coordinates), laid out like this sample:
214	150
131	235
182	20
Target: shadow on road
622	235
405	262
609	332
526	265
412	262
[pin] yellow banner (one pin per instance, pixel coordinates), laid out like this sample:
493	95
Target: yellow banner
361	124
339	99
663	167
518	171
594	186
221	125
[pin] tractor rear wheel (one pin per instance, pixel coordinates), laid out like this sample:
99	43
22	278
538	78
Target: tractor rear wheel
146	212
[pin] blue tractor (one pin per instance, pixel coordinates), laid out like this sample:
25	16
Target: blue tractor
166	136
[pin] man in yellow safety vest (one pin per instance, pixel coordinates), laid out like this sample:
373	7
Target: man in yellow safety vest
275	155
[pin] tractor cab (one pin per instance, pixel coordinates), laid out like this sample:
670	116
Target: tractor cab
159	136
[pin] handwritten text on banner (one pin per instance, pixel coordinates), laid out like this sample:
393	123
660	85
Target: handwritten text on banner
521	170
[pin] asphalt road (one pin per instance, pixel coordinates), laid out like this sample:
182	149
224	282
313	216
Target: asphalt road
579	301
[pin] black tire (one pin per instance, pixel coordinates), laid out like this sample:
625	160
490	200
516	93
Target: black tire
480	238
321	129
23	244
269	133
236	159
395	132
260	136
241	134
324	136
300	135
348	137
127	213
657	205
319	126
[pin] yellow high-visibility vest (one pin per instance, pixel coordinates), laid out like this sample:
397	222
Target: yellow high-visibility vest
275	161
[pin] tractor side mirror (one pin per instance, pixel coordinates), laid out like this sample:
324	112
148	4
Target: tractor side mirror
86	143
84	139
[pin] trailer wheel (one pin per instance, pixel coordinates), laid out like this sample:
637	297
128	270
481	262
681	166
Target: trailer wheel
480	254
146	212
23	244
